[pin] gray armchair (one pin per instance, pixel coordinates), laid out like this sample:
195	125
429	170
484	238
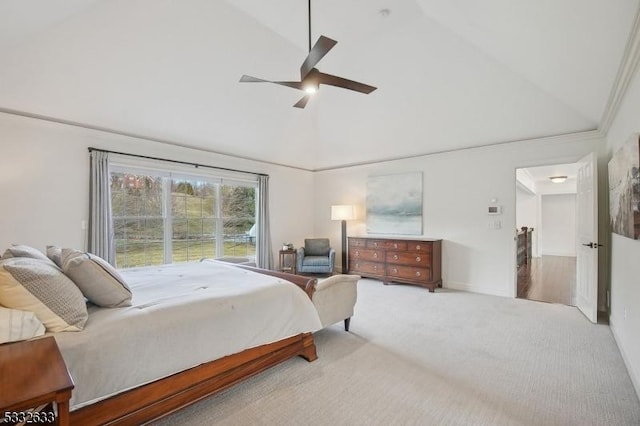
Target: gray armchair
316	257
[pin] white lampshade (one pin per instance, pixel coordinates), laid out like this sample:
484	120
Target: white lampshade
342	212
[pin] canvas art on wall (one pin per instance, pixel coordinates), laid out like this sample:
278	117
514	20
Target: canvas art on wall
624	189
394	204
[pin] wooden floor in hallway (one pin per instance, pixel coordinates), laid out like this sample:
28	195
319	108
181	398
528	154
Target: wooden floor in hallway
548	279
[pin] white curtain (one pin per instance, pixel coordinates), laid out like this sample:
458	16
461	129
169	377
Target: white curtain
264	255
100	240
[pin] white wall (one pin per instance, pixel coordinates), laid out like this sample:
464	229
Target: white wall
458	186
625	252
527	209
44	169
558	231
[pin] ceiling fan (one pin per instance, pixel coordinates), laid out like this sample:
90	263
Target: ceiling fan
310	77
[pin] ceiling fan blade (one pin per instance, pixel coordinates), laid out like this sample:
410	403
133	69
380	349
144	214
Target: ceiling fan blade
302	102
250	79
294	84
333	80
321	48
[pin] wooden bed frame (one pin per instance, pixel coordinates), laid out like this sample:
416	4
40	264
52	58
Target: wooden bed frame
167	395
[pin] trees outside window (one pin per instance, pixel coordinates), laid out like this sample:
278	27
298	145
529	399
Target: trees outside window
164	219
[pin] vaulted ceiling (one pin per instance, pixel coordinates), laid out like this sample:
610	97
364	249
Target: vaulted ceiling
450	74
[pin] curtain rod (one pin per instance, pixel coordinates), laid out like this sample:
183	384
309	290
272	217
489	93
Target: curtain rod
196	165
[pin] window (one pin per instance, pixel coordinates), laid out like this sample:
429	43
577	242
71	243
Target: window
163	218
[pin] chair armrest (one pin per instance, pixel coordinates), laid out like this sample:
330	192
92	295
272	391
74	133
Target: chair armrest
332	258
299	257
337	280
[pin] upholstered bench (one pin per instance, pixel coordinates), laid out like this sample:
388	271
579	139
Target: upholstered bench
335	298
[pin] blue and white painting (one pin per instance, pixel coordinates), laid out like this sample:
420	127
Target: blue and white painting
394	204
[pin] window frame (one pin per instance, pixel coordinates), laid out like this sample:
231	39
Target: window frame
177	172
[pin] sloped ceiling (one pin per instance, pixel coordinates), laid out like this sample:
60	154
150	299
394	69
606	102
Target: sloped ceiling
450	74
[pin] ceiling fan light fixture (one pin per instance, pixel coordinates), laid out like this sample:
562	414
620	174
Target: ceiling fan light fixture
311	82
558	179
310	88
310	77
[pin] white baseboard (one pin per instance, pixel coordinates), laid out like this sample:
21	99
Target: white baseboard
475	289
560	254
635	377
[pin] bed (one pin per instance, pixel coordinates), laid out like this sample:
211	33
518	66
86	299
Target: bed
192	330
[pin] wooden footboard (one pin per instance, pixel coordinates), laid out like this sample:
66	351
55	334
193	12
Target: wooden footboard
164	396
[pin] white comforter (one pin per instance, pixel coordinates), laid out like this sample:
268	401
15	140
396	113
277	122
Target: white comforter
181	316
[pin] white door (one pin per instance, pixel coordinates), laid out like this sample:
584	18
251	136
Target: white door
587	218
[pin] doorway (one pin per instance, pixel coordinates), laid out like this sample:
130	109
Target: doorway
547	233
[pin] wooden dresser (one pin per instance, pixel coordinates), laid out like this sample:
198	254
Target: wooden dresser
409	261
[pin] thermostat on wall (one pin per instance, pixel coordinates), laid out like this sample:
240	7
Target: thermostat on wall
494	210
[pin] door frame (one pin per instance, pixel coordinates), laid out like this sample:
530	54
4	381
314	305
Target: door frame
514	248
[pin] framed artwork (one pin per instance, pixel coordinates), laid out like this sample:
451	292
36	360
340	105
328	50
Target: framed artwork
394	204
624	189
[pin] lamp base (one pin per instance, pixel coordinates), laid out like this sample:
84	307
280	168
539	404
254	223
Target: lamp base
345	269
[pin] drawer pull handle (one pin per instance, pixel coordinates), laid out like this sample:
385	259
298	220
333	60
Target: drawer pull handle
395	257
375	244
395	270
375	255
357	253
418	247
418	274
375	267
357	265
418	259
395	245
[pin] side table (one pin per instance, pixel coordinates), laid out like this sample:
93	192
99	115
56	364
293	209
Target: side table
33	373
288	259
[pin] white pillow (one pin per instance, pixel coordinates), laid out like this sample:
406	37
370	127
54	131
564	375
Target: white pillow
96	278
40	287
54	253
21	250
18	325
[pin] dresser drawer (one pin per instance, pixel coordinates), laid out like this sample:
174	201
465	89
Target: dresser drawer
420	246
409	273
357	242
387	244
422	259
364	267
366	254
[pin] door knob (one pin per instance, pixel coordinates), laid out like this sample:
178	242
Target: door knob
593	245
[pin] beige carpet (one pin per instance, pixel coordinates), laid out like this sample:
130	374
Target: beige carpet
444	358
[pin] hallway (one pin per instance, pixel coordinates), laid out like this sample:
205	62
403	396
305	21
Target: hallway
549	279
